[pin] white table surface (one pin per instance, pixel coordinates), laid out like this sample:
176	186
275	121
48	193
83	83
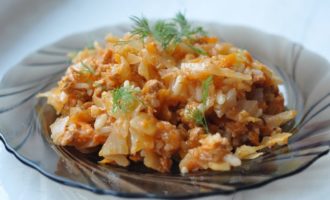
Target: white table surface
26	25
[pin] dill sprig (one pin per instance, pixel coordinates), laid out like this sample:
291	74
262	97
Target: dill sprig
141	26
197	50
86	68
185	28
199	118
165	33
123	98
205	90
169	33
198	114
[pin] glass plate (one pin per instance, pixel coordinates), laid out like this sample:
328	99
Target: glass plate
25	120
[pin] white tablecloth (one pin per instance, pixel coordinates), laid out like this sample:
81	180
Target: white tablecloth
26	25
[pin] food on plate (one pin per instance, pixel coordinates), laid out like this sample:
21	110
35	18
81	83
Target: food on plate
167	91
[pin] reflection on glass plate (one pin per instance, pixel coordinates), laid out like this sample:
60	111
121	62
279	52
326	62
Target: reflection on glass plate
24	121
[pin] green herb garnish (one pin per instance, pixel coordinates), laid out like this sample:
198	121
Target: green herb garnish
199	118
165	33
169	33
185	28
197	50
205	90
123	98
141	27
198	114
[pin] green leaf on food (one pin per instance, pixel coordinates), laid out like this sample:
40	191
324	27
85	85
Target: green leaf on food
169	32
205	90
123	98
